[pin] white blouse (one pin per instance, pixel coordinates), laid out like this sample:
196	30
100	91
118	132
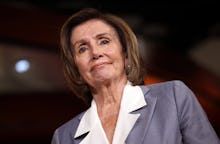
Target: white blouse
132	99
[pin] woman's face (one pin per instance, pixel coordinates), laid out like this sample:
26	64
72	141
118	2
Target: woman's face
98	52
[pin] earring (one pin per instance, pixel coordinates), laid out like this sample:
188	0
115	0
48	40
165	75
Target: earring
128	69
128	66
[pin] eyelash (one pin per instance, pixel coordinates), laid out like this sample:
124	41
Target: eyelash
105	41
83	47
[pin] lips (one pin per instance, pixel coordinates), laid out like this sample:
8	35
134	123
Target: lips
99	65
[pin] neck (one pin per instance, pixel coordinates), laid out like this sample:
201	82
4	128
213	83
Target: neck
109	94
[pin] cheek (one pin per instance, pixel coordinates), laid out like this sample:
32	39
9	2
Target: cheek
82	65
115	52
120	57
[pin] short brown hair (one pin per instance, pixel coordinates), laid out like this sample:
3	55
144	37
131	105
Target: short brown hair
135	73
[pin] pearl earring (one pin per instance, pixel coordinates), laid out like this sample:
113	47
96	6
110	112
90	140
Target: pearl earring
128	69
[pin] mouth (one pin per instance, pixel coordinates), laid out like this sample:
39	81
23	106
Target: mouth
98	65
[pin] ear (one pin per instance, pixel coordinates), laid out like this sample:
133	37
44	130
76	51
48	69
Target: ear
127	65
126	60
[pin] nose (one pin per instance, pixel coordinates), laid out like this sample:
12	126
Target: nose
96	52
96	56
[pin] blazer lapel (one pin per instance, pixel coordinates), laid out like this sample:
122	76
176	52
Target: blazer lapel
141	126
132	100
143	114
90	127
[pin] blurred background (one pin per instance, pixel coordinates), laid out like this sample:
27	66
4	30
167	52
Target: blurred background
177	41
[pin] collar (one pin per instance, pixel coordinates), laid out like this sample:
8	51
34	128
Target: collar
132	100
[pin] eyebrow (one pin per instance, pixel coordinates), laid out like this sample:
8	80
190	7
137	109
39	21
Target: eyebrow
79	41
103	34
96	36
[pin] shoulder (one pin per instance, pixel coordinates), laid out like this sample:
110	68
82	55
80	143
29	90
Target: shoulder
167	84
174	87
174	91
175	94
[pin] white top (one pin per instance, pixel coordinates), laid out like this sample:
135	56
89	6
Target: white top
132	99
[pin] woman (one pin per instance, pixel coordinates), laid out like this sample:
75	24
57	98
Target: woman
103	67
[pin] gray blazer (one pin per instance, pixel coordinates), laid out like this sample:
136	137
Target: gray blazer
173	115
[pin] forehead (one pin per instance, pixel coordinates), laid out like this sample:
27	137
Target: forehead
90	29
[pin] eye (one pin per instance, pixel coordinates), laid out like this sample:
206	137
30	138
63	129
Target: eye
104	41
82	49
